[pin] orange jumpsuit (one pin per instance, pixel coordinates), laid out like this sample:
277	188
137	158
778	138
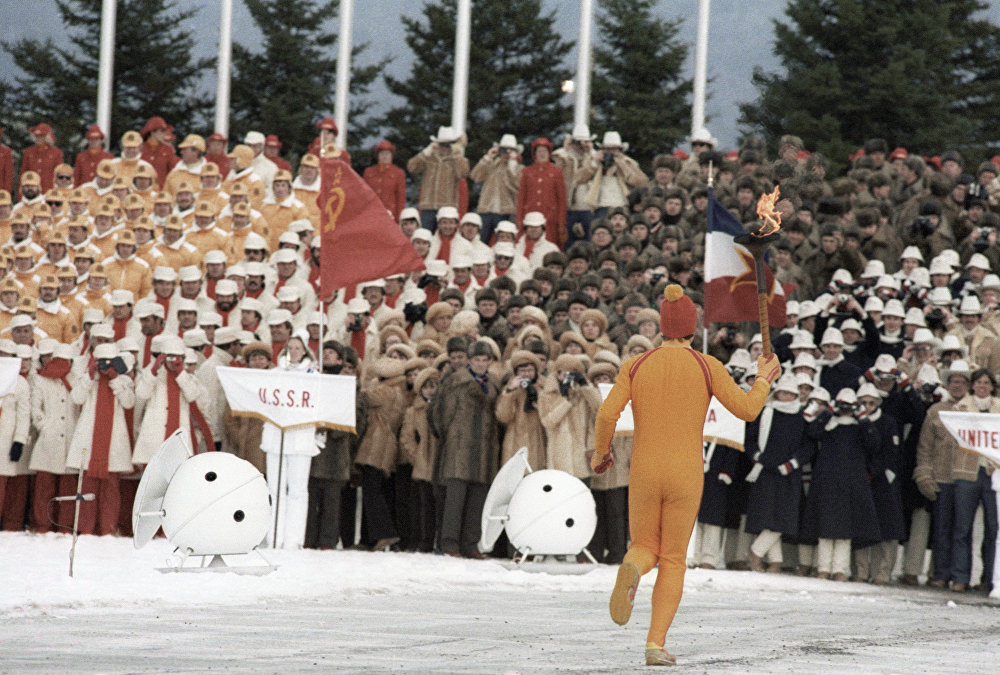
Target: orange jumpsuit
670	388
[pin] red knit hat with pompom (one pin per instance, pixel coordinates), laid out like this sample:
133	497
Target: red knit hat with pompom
678	316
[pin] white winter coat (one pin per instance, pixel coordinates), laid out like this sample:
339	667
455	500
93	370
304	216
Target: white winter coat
15	423
54	416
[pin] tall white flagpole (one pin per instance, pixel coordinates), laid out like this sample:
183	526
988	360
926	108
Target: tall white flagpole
106	67
581	105
460	91
344	44
700	68
224	76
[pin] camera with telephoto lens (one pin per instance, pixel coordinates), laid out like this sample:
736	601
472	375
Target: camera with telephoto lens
731	334
607	160
103	364
927	389
923	225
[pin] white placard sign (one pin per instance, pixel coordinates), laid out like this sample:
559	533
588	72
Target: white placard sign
289	399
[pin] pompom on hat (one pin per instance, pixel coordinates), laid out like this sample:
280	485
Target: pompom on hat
678	316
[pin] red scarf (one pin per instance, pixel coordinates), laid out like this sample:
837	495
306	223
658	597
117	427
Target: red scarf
84	344
433	294
196	417
277	286
147	350
165	303
500	272
57	369
444	253
463	287
275	350
119	326
482	280
104	418
173	404
390	300
529	245
314	348
207	352
314	278
358	338
210	287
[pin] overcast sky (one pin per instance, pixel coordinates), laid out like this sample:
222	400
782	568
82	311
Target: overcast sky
740	38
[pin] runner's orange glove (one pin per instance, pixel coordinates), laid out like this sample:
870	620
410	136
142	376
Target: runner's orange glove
768	368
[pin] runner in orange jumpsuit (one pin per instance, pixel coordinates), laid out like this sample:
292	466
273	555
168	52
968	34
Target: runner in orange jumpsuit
670	388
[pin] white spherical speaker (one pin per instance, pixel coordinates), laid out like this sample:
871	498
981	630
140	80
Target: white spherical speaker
216	503
551	513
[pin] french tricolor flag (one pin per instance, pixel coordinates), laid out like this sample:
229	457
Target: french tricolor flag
730	281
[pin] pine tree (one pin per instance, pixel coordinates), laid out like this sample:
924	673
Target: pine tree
289	86
516	69
638	89
154	72
922	74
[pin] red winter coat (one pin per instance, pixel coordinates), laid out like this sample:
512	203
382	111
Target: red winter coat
6	169
221	161
543	189
85	167
43	160
162	157
389	183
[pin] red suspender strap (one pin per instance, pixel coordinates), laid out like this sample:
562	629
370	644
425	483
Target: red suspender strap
704	369
635	366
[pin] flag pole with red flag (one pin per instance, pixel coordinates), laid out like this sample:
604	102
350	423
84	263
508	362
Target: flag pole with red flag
360	240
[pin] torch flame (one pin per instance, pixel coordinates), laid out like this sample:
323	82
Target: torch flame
770	218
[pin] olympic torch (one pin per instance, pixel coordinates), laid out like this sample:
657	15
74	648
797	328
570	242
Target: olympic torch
756	240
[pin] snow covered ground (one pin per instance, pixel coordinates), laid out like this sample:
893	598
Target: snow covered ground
378	612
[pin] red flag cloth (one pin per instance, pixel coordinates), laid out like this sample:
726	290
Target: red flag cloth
360	239
730	275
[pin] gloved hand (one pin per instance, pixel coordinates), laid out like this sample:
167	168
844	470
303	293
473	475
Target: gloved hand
754	473
726	478
320	439
578	231
768	368
579	378
218	446
601	463
890	476
158	363
16	450
928	488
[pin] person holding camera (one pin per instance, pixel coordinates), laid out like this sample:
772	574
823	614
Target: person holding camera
441	166
517	408
499	172
840	506
101	445
567	407
167	389
611	175
577	150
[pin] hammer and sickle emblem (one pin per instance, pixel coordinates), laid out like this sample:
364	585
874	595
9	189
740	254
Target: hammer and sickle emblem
334	205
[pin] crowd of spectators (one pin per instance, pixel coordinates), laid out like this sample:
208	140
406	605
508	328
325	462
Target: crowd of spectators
130	278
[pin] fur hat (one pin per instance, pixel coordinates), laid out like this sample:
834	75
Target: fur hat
602	368
568	363
425	376
385	368
523	356
678	317
597	316
439	309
